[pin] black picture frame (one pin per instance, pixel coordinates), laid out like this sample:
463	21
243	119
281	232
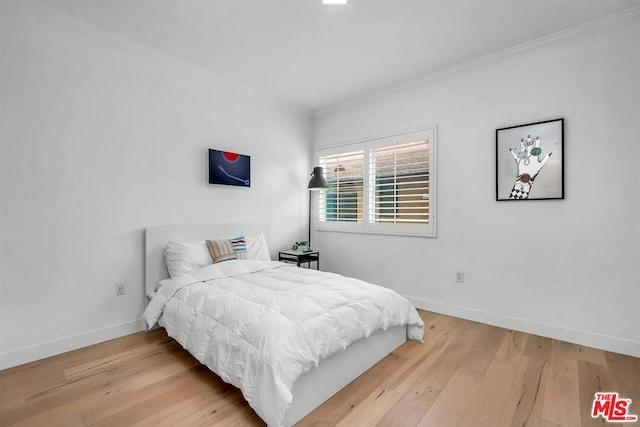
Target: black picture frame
530	161
228	168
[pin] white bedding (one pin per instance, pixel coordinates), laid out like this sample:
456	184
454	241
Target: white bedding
260	325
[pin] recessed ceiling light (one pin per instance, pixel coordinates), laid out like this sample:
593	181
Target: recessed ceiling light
334	1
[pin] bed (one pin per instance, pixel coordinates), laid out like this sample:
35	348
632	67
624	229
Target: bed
314	385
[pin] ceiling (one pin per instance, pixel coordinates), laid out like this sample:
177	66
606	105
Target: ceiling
314	56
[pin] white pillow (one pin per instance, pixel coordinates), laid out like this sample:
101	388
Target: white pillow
185	257
257	247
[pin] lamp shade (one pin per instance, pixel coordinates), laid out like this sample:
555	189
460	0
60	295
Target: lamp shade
318	181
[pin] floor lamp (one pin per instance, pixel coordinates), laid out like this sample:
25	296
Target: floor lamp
317	182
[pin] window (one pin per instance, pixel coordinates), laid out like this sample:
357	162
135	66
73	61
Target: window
384	185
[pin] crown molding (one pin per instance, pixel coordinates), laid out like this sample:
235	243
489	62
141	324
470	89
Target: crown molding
606	21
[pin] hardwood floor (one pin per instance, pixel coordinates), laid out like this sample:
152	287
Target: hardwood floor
465	374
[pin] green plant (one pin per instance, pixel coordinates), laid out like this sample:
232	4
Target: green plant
297	245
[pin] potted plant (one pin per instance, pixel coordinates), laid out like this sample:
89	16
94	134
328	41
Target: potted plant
302	245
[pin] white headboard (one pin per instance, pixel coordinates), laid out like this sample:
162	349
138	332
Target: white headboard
156	239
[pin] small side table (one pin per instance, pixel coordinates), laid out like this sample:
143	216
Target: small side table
300	257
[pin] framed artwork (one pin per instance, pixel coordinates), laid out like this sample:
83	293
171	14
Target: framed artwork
229	168
530	161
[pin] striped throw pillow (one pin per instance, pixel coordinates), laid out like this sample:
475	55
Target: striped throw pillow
240	247
221	250
227	249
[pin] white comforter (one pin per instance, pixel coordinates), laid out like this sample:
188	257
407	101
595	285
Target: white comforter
260	325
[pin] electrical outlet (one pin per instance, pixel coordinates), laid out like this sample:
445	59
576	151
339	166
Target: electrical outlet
121	288
459	276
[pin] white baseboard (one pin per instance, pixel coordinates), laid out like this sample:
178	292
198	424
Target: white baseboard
52	348
589	339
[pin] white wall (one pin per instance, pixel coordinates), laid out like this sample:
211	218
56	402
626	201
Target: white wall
567	269
101	138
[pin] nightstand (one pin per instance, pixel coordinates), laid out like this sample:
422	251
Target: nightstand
300	257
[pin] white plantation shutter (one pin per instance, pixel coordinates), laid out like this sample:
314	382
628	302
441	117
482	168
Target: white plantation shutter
343	200
399	182
384	185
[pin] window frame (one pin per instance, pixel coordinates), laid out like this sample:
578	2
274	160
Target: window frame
367	146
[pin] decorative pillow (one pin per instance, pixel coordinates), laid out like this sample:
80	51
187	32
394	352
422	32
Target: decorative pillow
185	257
240	247
221	250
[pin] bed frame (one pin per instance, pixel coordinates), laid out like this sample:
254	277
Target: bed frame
313	387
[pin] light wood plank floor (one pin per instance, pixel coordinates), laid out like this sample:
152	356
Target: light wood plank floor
465	374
